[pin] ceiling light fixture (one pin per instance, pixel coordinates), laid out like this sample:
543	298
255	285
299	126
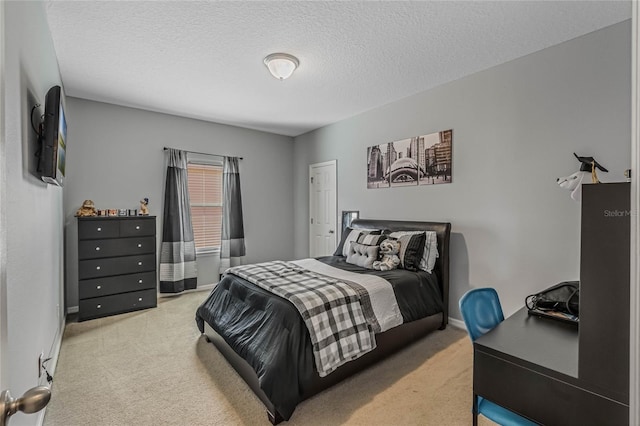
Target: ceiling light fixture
281	65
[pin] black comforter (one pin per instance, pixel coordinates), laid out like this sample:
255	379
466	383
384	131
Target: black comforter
269	333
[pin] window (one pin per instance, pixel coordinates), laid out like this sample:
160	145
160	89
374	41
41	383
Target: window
205	193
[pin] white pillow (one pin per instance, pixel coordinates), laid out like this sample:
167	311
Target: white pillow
430	254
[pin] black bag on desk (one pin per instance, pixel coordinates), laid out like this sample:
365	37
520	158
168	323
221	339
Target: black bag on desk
563	297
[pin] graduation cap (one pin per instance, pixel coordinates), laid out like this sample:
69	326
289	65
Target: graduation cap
587	163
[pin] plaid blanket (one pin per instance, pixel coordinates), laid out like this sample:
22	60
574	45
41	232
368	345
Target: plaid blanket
331	309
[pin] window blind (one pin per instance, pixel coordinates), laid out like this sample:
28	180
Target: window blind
205	192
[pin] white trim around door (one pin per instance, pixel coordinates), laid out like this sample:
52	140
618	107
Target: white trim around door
634	302
323	211
3	223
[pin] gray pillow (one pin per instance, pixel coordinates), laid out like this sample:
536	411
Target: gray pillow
362	255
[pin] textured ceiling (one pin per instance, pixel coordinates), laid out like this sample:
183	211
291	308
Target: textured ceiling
204	59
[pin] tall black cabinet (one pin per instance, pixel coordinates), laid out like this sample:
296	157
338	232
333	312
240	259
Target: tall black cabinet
604	289
116	265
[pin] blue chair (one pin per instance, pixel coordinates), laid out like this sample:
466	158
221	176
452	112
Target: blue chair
481	312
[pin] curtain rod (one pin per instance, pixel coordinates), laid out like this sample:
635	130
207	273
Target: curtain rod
201	153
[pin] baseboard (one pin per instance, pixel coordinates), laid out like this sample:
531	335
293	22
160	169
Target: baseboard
54	353
206	287
457	323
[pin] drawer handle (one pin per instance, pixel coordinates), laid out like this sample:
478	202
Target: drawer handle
139	263
98	287
139	281
97	248
139	299
99	229
138	227
99	306
98	268
139	245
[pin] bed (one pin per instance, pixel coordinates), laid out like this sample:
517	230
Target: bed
265	340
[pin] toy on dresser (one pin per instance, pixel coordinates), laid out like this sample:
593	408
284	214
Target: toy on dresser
573	183
144	210
88	209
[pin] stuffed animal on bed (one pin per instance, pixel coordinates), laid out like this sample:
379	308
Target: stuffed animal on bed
389	250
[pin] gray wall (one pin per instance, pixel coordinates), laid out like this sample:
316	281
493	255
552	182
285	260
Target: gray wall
116	158
33	230
515	127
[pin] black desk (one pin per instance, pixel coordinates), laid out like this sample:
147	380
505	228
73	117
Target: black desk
529	365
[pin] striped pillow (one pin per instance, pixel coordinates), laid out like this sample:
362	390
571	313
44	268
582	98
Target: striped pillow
349	235
411	248
371	239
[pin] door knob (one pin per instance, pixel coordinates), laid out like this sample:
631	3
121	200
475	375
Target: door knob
331	231
33	400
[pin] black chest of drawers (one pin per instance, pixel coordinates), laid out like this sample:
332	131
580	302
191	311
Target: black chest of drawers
116	265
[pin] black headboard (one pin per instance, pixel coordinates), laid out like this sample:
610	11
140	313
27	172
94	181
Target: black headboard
443	232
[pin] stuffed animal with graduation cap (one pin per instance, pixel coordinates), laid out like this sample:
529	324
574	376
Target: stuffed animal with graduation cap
573	183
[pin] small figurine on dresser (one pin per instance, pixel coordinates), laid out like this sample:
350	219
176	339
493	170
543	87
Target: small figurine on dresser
144	210
88	209
573	183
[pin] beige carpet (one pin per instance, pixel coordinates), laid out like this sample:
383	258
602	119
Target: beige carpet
153	368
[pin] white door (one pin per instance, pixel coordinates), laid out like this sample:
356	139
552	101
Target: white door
322	208
34	399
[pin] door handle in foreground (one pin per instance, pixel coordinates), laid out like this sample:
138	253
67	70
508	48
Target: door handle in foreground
33	400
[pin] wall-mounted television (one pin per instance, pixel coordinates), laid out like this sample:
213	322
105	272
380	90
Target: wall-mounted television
51	164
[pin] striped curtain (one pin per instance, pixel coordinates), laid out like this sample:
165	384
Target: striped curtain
178	252
232	248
